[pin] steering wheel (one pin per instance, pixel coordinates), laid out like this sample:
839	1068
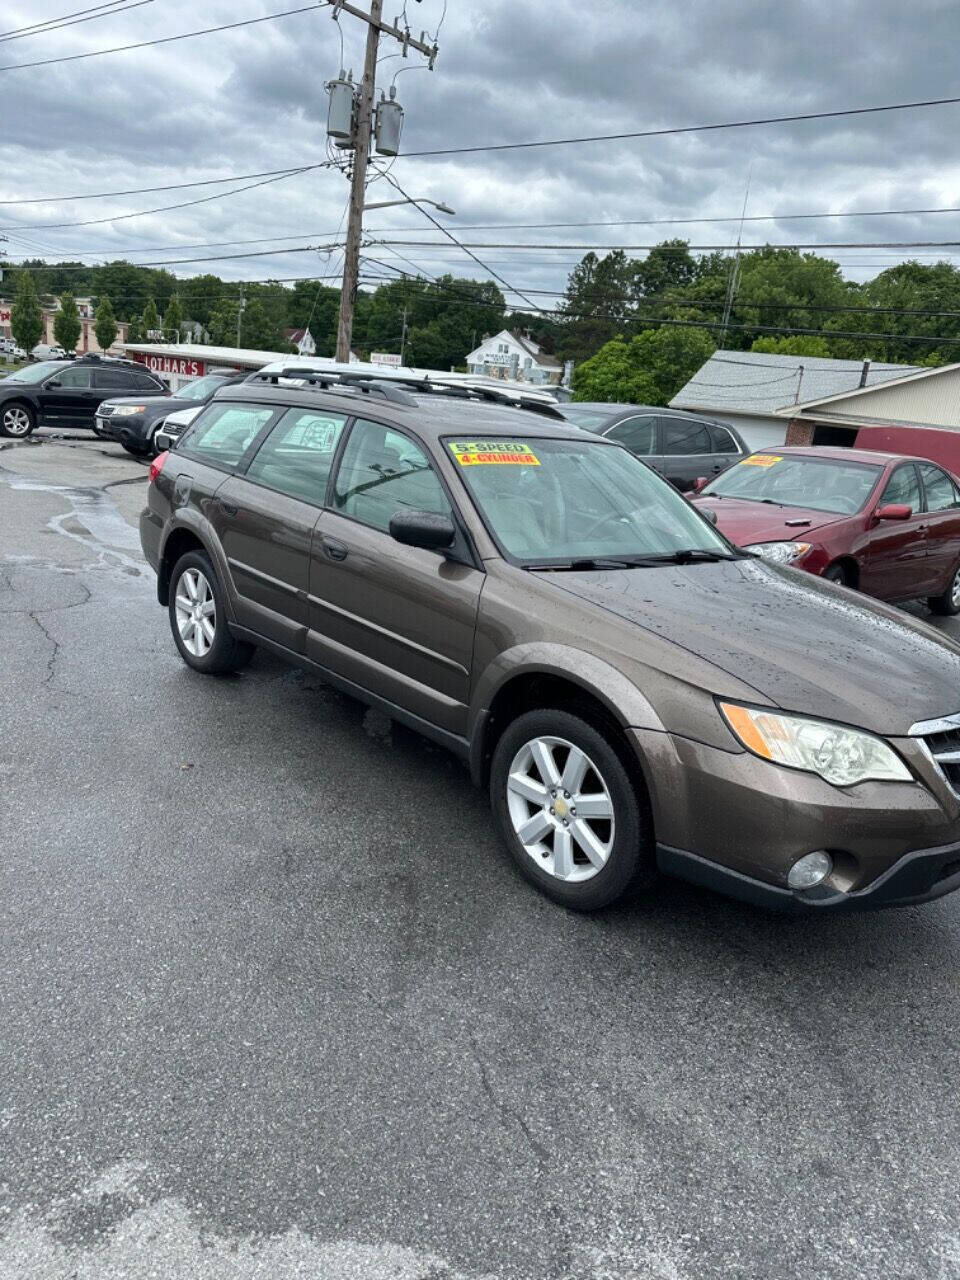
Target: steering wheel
609	518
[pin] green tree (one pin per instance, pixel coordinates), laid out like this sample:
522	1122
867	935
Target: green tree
173	319
597	303
797	345
649	368
26	318
66	323
133	331
150	321
669	265
105	325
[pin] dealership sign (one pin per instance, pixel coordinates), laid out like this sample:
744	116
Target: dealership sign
385	358
171	364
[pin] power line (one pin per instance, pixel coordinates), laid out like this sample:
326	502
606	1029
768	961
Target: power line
693	128
167	208
146	44
165	262
173	186
726	248
70	20
680	222
47	21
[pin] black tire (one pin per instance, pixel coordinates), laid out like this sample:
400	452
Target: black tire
226	653
947	605
836	573
138	450
631	865
17	420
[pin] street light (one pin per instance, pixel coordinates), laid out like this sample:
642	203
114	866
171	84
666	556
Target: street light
385	204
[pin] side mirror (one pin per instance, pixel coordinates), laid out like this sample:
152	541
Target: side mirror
423	529
710	516
894	511
51	385
701	482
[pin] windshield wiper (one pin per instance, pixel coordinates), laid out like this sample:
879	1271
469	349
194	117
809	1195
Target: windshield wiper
691	555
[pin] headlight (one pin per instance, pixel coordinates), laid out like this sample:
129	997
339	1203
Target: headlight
125	410
841	756
779	552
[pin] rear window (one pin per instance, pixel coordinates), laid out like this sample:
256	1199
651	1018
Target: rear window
586	419
223	432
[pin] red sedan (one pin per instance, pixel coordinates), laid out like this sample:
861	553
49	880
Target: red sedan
885	524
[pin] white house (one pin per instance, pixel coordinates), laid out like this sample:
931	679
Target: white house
514	356
302	339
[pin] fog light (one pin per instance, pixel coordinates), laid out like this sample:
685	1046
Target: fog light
810	870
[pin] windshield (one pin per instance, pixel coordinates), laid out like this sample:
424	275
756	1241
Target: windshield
550	501
200	388
820	484
588	419
33	372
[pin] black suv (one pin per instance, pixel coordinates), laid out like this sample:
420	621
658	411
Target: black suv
67	393
133	422
681	446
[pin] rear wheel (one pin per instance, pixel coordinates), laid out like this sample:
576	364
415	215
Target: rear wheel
198	619
569	811
17	421
948	603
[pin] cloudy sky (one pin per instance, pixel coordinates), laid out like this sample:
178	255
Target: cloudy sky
249	100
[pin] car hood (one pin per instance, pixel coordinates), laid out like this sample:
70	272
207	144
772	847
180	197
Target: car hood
149	402
745	522
802	643
183	417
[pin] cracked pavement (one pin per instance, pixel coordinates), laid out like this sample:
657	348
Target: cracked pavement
274	1004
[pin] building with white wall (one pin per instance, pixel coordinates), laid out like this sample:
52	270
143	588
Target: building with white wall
516	357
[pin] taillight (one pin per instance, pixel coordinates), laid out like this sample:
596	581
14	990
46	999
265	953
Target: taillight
156	466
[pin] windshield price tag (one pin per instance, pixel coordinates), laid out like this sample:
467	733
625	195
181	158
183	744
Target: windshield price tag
762	460
493	453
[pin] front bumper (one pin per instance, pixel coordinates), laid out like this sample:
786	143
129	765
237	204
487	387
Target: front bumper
124	430
737	823
917	877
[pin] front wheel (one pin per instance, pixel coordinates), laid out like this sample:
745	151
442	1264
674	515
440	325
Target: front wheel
836	573
17	421
569	811
947	604
198	619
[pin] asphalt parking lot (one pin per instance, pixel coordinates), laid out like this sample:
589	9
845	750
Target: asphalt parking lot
275	1004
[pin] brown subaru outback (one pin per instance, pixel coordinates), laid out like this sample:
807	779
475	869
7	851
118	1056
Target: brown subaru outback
637	694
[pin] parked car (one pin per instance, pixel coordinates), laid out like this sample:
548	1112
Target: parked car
887	525
171	428
65	394
681	446
133	422
7	346
47	351
636	692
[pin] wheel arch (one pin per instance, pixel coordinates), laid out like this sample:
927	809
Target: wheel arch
553	676
851	569
192	533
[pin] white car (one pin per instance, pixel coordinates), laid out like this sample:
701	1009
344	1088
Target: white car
47	351
173	426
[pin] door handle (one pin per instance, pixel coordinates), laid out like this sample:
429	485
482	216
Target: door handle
335	550
227	508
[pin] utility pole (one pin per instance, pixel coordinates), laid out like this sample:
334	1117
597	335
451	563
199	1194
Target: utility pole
403	336
240	315
733	280
361	154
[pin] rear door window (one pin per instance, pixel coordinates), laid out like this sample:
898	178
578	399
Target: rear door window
684	436
296	457
639	435
941	492
224	432
723	441
115	380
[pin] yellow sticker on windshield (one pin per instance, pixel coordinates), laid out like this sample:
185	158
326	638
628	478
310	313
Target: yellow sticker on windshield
470	453
761	460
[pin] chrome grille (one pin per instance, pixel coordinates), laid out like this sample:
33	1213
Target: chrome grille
105	410
942	739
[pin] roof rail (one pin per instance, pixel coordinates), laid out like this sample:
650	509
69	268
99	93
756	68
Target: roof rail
335	382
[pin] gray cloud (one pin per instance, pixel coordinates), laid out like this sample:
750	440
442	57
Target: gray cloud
509	70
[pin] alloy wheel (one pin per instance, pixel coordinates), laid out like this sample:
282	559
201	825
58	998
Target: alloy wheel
16	421
955	590
196	612
561	809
